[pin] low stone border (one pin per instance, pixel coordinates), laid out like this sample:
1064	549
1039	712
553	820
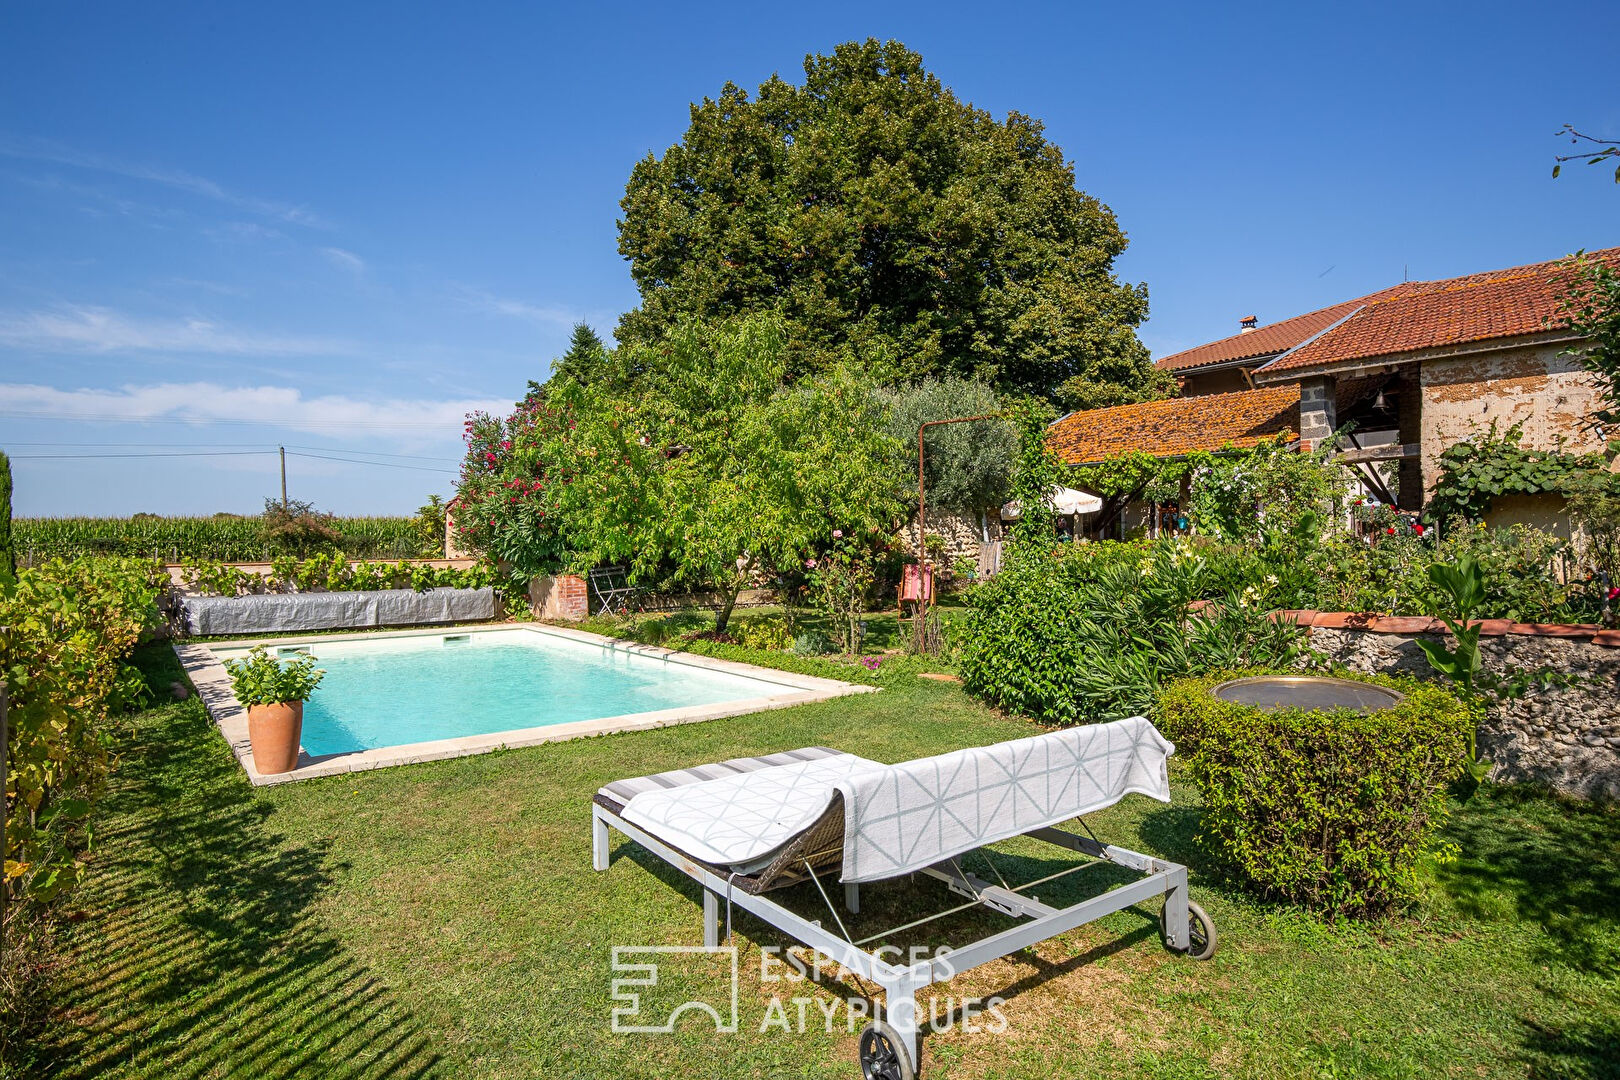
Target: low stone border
1423	624
213	683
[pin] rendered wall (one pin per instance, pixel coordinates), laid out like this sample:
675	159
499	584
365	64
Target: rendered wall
1534	385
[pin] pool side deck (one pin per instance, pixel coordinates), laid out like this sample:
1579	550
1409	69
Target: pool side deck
213	683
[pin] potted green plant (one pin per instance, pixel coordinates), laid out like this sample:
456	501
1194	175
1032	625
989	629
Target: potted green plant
274	694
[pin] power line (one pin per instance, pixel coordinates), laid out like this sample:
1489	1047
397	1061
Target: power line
233	453
117	418
384	464
264	448
371	453
163	453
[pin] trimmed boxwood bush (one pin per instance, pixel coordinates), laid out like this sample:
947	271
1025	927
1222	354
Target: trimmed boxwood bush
1328	809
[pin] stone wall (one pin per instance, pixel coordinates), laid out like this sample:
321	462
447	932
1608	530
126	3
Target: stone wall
962	536
1568	739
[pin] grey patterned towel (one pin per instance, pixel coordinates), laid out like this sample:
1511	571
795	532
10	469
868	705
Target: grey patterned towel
900	818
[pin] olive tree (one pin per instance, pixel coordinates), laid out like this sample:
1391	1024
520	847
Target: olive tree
967	468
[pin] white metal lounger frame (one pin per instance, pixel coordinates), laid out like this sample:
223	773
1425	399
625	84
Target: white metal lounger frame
901	983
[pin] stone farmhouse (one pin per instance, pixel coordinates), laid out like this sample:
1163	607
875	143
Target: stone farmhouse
1414	368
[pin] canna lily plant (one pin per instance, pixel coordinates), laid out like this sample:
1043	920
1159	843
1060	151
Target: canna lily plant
1463	583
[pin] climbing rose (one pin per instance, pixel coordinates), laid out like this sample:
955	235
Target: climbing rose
1390	530
810	564
838	534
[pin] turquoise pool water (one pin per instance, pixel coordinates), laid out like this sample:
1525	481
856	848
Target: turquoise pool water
394	691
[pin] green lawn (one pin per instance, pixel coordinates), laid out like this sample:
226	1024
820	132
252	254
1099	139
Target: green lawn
443	920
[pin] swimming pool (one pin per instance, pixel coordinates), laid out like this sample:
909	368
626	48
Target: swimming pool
395	698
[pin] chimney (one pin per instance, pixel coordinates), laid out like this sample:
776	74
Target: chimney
1248	324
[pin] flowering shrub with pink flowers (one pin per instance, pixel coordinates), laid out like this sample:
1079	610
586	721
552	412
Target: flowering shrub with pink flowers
507	502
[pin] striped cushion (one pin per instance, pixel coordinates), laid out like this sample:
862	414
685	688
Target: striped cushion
621	791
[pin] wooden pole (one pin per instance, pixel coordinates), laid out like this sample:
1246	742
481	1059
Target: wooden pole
283	450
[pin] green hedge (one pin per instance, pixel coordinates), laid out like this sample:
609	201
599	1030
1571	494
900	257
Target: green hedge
181	539
1328	809
1091	633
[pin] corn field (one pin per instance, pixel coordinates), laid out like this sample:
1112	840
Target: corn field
222	539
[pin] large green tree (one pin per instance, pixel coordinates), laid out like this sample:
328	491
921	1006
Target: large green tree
890	224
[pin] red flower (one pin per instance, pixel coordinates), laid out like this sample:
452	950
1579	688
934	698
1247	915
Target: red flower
1390	530
1417	527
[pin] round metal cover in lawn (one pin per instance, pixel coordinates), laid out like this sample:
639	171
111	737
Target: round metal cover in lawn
1307	692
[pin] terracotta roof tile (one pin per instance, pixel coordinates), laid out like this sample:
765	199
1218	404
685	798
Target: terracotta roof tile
1429	314
1177	426
1265	341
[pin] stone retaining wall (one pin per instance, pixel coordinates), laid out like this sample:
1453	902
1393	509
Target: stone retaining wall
1568	739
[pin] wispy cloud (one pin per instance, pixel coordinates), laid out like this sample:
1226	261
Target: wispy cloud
479	300
241	232
95	200
178	179
82	328
272	406
344	260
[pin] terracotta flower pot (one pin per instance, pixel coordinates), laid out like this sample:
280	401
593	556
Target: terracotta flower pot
274	731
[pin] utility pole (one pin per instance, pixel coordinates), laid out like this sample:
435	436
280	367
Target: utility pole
283	450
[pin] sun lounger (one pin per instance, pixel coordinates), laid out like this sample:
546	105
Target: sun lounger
745	827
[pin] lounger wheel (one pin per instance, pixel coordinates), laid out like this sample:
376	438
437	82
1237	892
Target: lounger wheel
883	1054
1201	936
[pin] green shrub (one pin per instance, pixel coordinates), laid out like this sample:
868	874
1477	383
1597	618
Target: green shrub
69	629
811	643
332	573
1328	809
767	633
1080	638
1525	573
261	679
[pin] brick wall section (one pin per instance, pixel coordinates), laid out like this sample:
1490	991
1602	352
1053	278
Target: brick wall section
563	598
1568	739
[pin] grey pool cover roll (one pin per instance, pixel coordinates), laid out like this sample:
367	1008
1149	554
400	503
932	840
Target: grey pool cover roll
273	612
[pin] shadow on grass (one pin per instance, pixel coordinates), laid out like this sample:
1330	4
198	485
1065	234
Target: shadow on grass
196	953
1553	860
1583	1051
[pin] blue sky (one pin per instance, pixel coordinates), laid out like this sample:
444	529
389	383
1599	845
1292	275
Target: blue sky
338	227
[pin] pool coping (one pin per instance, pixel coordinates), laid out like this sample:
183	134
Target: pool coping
213	684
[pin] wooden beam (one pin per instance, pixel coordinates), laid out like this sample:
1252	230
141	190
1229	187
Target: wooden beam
1393	452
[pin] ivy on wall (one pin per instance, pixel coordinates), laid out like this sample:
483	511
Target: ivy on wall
1475	473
